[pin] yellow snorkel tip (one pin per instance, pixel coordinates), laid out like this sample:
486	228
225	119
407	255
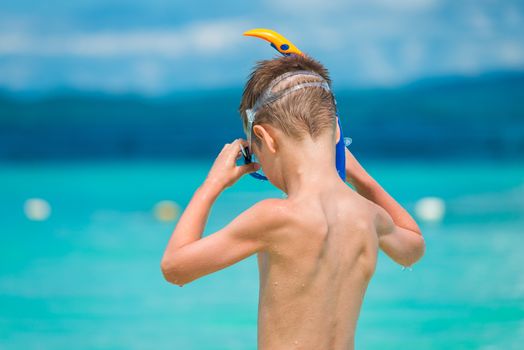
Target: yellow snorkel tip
277	41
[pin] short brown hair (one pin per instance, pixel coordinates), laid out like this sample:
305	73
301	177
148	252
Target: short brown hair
306	111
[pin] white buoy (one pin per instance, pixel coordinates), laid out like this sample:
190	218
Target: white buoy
37	209
166	210
430	209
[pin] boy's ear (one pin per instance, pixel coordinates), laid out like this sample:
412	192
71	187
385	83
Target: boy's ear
266	135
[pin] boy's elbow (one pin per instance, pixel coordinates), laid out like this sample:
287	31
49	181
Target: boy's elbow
417	251
172	274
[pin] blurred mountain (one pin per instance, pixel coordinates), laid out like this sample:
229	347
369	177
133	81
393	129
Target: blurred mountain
453	117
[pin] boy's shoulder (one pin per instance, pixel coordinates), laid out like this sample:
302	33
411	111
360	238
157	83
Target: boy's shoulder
273	211
270	216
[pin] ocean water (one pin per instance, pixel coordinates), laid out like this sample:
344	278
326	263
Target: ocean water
89	276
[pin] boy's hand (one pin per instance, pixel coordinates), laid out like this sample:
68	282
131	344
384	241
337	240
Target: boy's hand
224	171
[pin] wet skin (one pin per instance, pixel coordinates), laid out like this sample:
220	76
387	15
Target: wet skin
314	275
317	248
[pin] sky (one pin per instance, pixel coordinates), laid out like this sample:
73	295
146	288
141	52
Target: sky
154	47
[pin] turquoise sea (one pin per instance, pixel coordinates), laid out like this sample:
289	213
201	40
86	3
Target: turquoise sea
89	276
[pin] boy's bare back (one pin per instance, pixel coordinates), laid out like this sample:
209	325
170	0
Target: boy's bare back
315	273
317	249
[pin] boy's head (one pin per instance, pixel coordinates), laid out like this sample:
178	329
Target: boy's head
308	112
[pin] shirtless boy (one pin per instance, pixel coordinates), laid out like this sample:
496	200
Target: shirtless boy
317	248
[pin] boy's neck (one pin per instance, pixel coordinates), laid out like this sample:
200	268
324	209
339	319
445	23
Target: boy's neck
308	167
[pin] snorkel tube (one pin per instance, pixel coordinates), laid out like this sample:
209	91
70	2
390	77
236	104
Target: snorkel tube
286	48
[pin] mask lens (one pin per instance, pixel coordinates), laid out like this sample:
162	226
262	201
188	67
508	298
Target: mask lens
259	174
251	158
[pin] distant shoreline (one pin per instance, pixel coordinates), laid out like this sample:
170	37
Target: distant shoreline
476	117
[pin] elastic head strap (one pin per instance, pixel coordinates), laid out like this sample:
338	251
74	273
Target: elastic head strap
268	92
280	94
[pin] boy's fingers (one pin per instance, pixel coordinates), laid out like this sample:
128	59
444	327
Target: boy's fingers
248	168
239	141
235	146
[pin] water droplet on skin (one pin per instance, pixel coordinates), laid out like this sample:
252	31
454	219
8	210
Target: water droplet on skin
275	283
296	342
303	284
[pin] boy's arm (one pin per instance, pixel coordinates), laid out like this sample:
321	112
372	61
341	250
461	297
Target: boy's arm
246	235
399	235
187	255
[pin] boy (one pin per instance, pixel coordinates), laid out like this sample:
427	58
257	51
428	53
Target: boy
317	248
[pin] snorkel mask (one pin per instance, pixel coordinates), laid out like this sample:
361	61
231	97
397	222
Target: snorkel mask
286	48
